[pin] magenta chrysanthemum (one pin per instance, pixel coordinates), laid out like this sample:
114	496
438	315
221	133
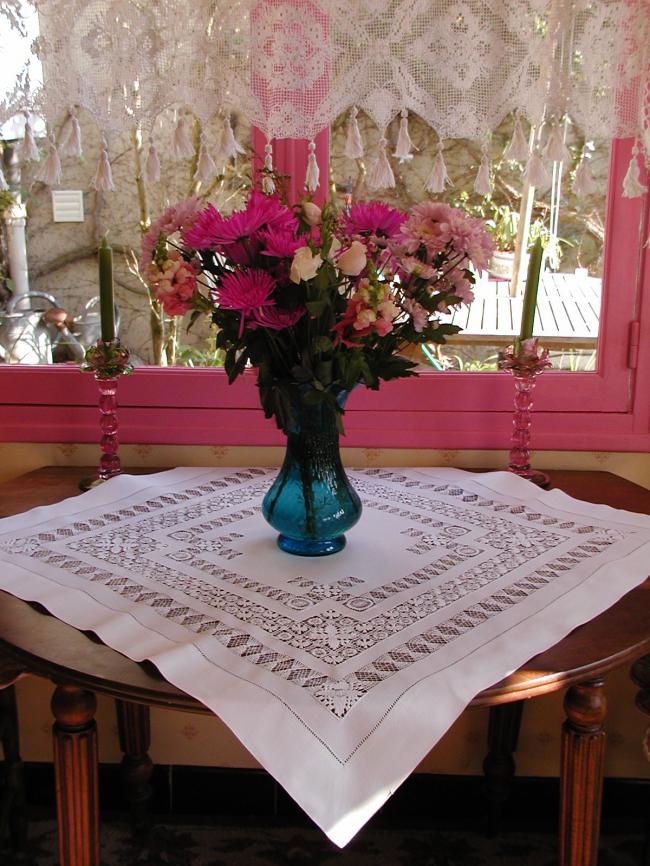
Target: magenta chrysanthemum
280	244
246	292
374	219
237	236
275	319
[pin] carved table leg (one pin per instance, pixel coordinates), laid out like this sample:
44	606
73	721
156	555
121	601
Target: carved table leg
640	673
76	772
12	800
581	774
499	764
135	736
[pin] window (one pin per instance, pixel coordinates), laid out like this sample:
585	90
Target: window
604	410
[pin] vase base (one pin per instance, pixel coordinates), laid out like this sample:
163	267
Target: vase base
307	547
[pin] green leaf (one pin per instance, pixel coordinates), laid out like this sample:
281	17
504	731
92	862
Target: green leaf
315	308
322	344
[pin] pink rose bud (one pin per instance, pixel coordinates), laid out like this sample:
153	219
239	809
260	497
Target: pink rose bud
312	213
353	260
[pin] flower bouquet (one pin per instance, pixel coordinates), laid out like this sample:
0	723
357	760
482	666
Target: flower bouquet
318	302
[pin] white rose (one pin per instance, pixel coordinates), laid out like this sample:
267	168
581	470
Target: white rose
305	265
312	213
353	260
335	246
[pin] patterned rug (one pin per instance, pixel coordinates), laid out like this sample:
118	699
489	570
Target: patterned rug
260	845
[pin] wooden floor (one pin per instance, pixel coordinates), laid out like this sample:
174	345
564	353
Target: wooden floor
568	308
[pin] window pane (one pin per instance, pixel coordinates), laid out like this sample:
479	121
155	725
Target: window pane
62	265
571	228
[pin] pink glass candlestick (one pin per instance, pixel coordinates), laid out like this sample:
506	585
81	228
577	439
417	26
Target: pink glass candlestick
525	362
108	361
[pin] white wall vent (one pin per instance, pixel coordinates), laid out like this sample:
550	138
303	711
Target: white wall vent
67	206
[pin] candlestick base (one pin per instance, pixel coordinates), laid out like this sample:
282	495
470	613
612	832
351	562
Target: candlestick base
108	361
525	362
541	479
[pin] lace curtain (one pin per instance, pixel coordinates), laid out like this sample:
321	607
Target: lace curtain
292	66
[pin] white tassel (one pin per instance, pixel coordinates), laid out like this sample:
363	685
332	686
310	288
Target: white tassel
482	184
380	175
230	147
438	179
182	144
583	182
404	144
70	138
50	170
556	150
313	172
268	184
536	174
28	150
353	142
3	181
632	186
517	150
152	164
103	180
206	169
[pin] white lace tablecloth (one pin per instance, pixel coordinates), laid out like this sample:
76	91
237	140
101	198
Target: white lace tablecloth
338	674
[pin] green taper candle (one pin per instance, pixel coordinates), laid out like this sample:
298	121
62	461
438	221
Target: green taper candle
106	302
530	295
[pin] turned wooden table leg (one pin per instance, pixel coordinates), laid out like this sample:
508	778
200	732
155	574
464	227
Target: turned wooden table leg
135	737
13	813
581	774
640	674
76	774
499	764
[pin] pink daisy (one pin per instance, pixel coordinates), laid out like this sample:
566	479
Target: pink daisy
247	292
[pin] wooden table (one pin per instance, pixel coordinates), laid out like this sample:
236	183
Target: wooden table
32	642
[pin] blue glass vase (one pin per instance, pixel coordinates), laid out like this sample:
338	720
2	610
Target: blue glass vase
312	502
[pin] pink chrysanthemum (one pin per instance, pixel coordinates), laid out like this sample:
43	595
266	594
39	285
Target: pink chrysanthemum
280	244
176	218
373	219
247	292
237	236
438	226
276	319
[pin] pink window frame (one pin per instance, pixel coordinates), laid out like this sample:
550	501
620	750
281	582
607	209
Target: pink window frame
607	411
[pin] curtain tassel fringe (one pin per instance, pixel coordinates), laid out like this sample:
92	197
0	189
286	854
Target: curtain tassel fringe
182	145
556	150
28	150
517	150
353	142
536	174
632	185
583	183
268	184
380	175
206	169
404	144
313	172
482	184
70	138
103	180
50	171
439	178
230	147
152	164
